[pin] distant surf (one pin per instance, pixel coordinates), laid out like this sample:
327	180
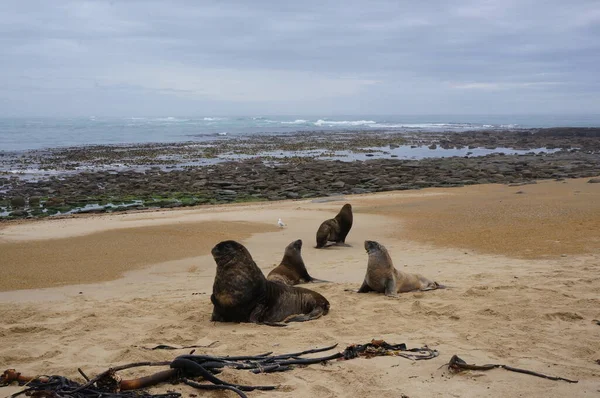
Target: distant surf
37	133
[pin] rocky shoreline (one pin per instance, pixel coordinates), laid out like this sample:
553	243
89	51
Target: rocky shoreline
144	184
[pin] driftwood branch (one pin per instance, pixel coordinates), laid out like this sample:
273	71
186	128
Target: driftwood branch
109	374
458	365
189	369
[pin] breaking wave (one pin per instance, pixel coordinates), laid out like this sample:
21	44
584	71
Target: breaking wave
297	121
322	122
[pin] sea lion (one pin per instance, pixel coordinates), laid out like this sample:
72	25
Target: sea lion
292	271
335	229
241	293
383	277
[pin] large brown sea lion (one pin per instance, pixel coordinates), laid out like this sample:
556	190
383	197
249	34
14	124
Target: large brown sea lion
382	277
335	229
292	271
241	293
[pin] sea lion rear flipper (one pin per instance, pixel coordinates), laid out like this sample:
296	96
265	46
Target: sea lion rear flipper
276	324
364	288
433	286
314	314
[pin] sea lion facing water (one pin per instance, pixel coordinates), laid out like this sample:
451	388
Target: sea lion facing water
292	271
337	228
241	293
383	277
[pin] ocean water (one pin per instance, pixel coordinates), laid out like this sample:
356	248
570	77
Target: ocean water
18	134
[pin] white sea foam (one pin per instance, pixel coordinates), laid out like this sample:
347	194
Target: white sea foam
212	119
170	119
297	121
425	126
33	171
322	122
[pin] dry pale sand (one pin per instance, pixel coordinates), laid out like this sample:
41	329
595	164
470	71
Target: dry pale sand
524	271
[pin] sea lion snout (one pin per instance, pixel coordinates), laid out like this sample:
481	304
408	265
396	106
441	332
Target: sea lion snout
297	244
371	245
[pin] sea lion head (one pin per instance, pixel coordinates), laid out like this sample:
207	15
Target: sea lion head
371	246
295	246
378	254
292	257
228	250
347	207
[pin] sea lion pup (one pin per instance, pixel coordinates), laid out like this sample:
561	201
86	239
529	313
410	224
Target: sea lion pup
383	277
335	229
292	271
241	293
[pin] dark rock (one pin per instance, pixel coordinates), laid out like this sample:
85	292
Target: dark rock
17	202
54	202
199	184
594	180
422	184
221	183
518	184
34	201
92	211
171	205
350	180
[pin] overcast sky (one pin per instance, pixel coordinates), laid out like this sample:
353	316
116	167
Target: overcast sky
128	57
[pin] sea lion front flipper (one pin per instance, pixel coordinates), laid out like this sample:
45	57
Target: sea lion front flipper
257	314
390	288
364	288
323	235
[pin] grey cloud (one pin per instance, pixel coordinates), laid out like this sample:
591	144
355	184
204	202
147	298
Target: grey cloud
304	57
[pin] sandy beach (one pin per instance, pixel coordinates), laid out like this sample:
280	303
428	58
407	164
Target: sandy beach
522	264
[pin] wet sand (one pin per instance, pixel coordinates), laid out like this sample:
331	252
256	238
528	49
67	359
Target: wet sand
522	269
105	256
528	221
